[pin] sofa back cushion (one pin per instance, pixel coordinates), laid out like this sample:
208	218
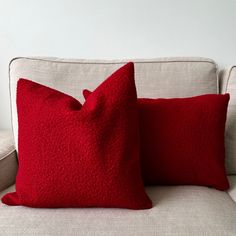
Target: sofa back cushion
228	85
157	78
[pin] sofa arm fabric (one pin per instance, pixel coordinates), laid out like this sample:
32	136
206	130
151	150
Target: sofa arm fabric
8	160
228	85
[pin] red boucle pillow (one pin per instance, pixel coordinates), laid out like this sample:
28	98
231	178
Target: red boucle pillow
79	156
182	140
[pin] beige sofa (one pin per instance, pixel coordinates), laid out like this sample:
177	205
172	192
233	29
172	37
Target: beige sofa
177	210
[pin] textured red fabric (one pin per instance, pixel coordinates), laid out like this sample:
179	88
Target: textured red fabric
182	140
79	156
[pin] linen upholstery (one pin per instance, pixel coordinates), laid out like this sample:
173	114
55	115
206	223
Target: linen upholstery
228	85
8	160
182	210
178	210
168	77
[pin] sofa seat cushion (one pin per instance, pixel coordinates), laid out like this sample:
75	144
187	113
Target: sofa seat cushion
178	210
8	161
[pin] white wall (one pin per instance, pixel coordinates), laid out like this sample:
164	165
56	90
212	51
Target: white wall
114	29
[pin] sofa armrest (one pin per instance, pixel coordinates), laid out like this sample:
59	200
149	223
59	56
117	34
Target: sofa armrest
232	190
8	160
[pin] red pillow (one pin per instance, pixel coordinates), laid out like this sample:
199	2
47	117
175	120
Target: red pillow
79	156
182	140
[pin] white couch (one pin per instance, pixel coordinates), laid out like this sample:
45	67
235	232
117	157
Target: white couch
177	210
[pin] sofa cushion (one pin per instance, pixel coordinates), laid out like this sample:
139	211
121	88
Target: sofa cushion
229	86
182	210
167	77
8	160
94	147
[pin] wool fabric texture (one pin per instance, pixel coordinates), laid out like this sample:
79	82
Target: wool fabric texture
74	155
182	140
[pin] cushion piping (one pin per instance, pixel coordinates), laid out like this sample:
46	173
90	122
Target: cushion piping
229	74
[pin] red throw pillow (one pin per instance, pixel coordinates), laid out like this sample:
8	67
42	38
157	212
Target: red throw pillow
182	140
79	156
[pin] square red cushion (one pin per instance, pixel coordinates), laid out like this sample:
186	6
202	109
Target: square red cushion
182	140
79	156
